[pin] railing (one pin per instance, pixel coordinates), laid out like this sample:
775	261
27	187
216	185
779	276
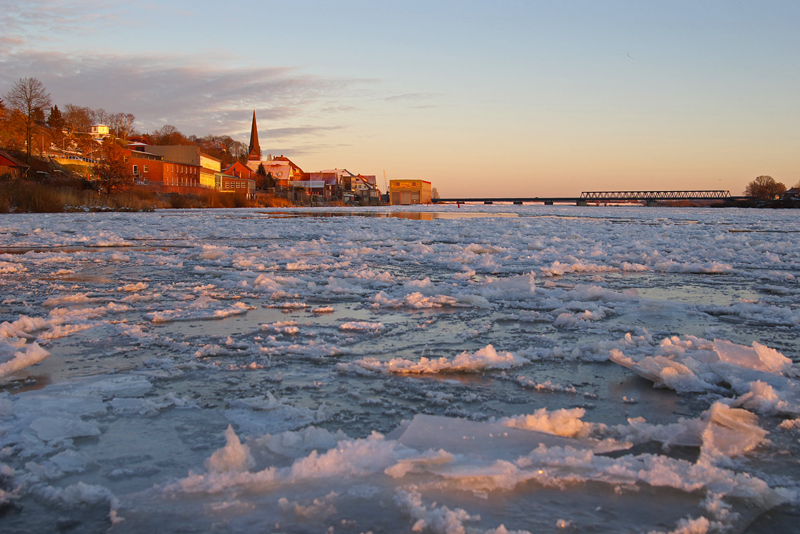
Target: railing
75	158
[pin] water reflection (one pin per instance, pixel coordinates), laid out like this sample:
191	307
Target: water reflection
412	215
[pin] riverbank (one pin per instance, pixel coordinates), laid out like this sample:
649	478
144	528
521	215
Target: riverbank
27	196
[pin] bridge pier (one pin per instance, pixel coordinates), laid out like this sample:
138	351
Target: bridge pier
548	202
652	203
581	202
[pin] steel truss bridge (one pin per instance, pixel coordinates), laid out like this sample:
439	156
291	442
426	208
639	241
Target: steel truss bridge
718	194
651	198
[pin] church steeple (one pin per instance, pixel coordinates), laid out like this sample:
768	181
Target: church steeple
255	149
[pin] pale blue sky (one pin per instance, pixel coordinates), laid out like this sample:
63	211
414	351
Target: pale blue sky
525	98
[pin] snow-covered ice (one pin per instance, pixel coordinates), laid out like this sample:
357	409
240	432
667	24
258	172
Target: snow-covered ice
539	369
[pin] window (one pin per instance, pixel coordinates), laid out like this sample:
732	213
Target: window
135	170
145	168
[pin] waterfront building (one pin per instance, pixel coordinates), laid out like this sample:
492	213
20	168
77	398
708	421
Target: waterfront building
407	192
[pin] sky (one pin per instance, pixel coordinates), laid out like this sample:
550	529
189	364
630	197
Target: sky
503	98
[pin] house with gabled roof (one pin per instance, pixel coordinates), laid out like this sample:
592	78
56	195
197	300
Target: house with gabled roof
240	170
12	166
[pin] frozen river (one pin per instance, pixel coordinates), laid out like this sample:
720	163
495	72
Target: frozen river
524	369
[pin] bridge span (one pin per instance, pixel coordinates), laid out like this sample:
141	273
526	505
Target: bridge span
651	198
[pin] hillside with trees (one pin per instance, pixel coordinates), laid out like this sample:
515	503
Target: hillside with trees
31	123
35	131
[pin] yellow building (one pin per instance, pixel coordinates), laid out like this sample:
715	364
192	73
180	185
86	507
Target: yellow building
407	192
209	168
190	155
100	131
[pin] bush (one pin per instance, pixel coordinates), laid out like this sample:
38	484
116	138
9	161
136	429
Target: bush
178	201
22	196
265	200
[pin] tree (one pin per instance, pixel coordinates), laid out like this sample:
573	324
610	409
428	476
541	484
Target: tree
262	179
239	151
5	129
77	120
121	124
112	170
169	135
764	188
54	118
435	193
101	116
56	123
26	96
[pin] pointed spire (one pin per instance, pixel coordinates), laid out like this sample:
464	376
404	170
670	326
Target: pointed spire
255	149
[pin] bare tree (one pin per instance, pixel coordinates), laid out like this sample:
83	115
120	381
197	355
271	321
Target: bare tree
168	135
435	193
101	116
77	119
764	188
239	150
29	98
121	124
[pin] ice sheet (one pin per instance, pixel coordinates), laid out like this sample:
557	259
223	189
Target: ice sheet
165	330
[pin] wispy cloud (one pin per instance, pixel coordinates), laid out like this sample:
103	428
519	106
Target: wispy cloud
304	131
9	41
410	97
187	92
337	108
43	17
207	93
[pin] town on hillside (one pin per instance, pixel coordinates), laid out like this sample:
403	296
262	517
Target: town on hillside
104	149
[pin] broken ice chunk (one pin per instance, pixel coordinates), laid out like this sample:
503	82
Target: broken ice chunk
757	357
57	428
731	431
12	361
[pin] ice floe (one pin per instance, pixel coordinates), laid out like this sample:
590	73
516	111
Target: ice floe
756	373
485	358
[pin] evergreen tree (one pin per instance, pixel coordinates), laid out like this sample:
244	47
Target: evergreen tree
262	177
55	119
56	123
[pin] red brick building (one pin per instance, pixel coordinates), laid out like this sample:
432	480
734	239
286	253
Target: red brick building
240	170
149	168
9	165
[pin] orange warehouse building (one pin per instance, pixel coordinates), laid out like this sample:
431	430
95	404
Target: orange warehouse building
407	192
